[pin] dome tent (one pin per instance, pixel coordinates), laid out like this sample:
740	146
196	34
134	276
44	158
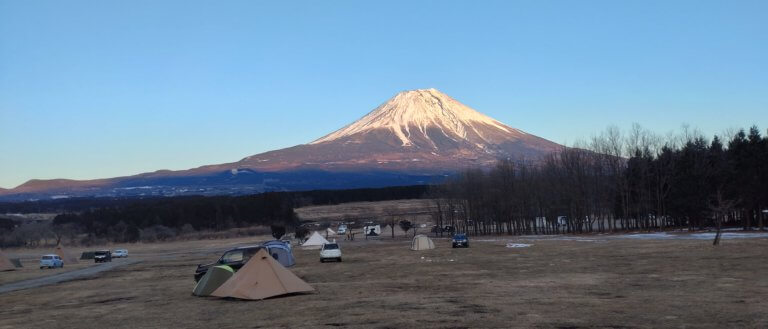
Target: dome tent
212	280
422	242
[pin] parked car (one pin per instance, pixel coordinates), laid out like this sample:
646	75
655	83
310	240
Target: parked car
102	256
330	251
120	253
51	261
460	240
234	258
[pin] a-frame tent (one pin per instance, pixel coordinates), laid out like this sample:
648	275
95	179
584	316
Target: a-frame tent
262	277
316	241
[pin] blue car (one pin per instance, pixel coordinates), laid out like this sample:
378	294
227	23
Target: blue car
460	240
51	261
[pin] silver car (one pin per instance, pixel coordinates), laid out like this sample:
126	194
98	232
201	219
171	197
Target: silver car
120	253
51	261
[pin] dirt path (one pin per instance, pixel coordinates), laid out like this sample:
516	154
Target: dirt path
66	276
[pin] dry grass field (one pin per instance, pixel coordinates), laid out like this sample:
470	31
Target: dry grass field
415	210
607	283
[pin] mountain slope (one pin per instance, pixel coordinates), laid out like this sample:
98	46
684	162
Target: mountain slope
417	131
415	137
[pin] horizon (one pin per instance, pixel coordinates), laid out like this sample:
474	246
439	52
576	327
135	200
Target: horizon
94	90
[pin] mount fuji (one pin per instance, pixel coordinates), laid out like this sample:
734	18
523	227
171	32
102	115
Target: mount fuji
416	137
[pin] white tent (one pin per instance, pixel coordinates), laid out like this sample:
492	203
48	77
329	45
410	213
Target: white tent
372	230
329	232
422	242
315	241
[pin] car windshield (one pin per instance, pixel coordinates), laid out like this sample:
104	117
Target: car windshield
232	256
331	246
240	255
100	253
459	236
47	257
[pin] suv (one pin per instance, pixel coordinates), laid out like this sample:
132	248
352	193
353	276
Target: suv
120	253
102	256
330	251
460	240
234	258
51	261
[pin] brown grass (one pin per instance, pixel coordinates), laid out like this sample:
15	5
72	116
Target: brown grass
382	284
415	210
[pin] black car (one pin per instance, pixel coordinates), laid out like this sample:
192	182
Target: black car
234	258
102	256
460	240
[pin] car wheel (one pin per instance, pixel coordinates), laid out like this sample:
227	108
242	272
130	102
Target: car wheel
322	260
42	267
339	259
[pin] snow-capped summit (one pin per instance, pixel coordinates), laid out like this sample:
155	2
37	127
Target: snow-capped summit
413	112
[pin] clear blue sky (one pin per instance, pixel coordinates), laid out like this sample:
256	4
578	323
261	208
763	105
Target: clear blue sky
94	89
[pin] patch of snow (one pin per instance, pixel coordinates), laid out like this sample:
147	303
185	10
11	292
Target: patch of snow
134	187
420	108
518	245
692	236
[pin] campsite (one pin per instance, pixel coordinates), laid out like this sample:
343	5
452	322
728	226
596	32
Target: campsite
595	281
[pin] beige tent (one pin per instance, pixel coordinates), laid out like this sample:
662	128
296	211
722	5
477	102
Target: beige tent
5	263
398	231
422	242
65	255
315	241
262	277
212	280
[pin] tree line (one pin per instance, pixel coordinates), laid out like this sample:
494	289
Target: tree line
86	221
616	182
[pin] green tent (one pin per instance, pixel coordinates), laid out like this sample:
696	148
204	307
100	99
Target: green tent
215	277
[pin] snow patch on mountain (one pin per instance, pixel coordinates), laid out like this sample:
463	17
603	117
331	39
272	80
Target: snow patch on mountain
419	110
